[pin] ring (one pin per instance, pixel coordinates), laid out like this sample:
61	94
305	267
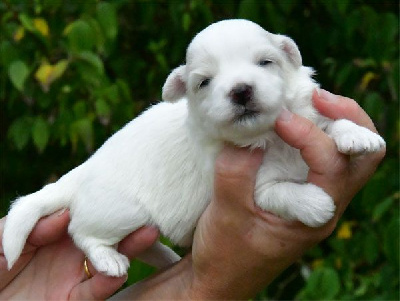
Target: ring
86	268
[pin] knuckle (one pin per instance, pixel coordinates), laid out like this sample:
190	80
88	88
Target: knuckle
307	132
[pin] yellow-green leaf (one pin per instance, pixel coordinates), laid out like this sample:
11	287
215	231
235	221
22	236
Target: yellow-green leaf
19	34
40	25
47	73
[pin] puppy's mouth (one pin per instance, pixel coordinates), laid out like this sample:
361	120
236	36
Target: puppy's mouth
246	114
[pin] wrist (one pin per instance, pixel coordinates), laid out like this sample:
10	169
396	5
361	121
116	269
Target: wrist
173	283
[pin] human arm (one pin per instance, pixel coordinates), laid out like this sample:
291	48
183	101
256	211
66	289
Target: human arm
239	249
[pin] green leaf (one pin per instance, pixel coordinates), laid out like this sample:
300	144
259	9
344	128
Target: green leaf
20	132
107	17
26	22
323	284
83	129
8	53
93	60
391	241
371	247
59	68
186	21
18	72
102	108
382	208
80	109
80	36
373	104
40	133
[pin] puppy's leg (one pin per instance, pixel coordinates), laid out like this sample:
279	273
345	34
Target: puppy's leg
105	258
353	139
159	256
292	201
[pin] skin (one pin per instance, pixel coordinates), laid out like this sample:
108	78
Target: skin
51	267
237	250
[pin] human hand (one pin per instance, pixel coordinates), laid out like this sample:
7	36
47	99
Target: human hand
239	249
51	267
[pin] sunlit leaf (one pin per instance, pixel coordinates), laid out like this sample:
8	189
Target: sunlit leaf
19	34
41	25
47	73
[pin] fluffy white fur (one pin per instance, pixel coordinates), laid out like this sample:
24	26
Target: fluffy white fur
158	170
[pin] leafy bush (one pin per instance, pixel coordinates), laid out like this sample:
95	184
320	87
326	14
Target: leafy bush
73	72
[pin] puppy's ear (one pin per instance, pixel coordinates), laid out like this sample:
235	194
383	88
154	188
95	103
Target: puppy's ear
175	85
291	50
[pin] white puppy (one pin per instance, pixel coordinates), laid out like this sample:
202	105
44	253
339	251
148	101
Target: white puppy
158	170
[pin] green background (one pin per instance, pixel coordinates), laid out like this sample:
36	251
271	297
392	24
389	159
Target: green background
73	72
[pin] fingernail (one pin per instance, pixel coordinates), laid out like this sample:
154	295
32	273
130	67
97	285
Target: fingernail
285	115
61	212
327	96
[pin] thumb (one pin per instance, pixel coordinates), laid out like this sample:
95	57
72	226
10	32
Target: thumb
235	174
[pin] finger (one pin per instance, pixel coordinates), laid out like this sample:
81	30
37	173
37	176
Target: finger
336	107
138	241
340	107
317	148
7	276
47	230
235	174
50	229
99	287
134	244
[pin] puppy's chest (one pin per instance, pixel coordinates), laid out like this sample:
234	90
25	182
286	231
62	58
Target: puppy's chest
282	163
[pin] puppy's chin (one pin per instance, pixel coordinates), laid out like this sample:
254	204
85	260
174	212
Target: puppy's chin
250	129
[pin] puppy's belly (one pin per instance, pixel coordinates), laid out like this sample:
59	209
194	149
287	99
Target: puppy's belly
109	219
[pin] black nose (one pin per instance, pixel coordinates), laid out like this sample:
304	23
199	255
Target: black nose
241	94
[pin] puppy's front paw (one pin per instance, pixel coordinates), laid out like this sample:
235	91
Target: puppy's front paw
352	139
108	261
359	142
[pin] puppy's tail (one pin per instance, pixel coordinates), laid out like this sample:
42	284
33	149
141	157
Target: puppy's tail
25	213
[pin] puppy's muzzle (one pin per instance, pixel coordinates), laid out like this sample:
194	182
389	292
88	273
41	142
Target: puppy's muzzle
241	94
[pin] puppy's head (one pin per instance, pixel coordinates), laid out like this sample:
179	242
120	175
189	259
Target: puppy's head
236	78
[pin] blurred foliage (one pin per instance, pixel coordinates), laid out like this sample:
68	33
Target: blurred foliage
73	72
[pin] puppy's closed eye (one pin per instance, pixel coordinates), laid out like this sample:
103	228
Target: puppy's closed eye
204	83
263	62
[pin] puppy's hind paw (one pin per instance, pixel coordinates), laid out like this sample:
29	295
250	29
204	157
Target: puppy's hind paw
316	208
108	261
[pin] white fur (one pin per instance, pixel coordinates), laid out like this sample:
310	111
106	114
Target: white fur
158	170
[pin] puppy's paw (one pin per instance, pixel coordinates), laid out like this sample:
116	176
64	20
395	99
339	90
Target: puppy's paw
352	139
314	207
359	142
108	261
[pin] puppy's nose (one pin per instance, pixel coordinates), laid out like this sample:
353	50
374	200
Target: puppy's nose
241	94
